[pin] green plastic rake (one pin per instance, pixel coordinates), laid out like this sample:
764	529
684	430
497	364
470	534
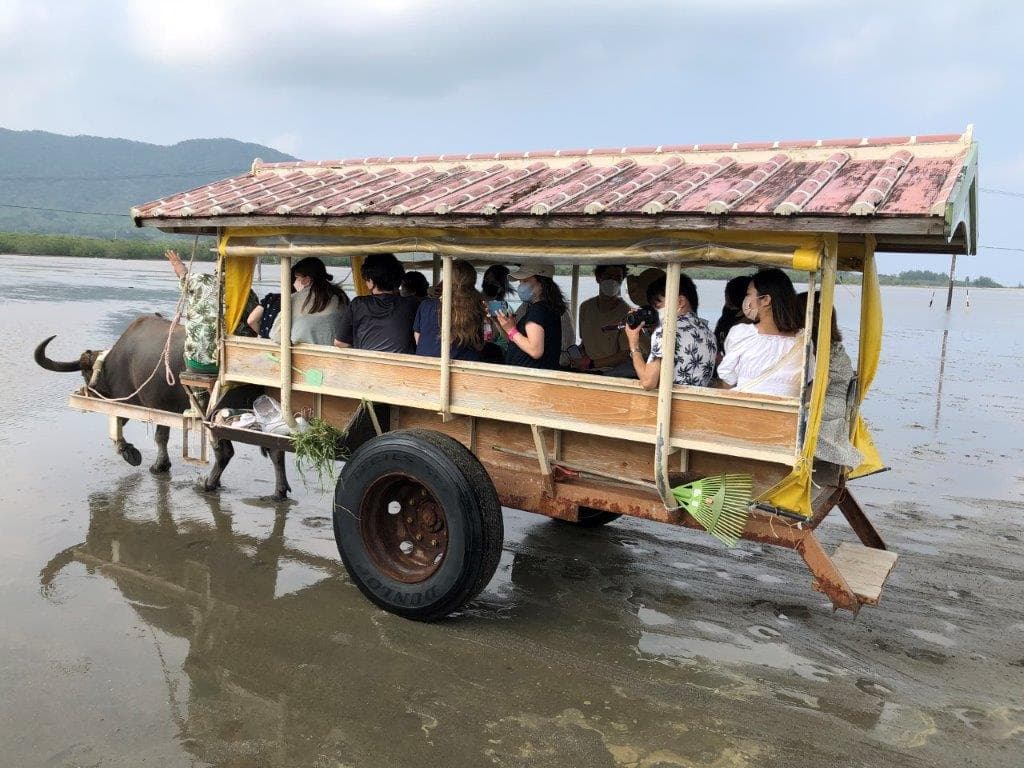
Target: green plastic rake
719	503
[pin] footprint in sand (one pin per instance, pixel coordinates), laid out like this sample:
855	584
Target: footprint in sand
871	687
923	654
765	633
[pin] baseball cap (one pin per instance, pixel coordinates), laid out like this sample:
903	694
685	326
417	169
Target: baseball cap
528	268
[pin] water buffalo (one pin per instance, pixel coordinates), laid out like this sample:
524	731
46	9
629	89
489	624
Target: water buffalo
128	364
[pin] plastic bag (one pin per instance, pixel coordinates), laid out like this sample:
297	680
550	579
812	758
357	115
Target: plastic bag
268	414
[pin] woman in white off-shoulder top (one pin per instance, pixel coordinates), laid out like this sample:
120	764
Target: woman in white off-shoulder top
766	356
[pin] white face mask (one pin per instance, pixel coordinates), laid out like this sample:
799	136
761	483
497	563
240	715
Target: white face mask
610	288
750	310
300	283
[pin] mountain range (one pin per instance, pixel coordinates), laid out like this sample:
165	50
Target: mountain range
85	185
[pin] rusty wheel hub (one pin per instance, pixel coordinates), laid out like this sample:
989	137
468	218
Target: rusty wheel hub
404	528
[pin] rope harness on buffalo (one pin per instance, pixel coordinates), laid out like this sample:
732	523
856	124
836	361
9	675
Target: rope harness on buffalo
165	355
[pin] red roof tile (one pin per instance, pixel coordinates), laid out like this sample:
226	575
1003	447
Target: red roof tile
891	176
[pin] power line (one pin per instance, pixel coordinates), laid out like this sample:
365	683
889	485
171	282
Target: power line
1001	248
1006	192
62	210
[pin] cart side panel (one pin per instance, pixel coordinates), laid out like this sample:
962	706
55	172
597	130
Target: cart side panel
703	420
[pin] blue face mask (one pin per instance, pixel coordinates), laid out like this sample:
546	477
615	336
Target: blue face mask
525	292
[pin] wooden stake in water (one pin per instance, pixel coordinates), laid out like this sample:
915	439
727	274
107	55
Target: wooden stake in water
949	295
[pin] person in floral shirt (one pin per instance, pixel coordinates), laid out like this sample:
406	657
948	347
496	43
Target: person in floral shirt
696	349
202	305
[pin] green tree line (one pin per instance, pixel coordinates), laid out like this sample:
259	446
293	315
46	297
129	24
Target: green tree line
97	248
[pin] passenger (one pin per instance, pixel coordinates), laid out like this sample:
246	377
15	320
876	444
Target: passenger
567	330
636	291
262	317
695	343
467	318
415	285
603	350
201	313
252	303
732	310
495	288
767	361
317	304
495	285
834	444
383	320
535	340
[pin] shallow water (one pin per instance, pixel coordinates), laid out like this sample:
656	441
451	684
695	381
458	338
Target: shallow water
148	623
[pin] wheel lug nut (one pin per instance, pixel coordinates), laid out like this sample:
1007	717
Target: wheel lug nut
408	519
419	537
433	542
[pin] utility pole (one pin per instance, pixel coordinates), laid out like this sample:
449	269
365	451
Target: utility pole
949	294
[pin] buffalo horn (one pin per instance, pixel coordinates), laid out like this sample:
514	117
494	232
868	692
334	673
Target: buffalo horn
53	365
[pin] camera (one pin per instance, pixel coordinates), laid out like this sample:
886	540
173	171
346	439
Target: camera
646	315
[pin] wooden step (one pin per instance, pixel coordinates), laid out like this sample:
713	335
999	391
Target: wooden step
865	569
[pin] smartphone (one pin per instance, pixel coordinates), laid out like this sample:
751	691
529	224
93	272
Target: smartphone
496	306
574	352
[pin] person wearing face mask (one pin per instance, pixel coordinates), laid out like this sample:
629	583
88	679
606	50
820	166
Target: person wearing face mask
767	356
383	320
535	340
695	343
603	350
317	304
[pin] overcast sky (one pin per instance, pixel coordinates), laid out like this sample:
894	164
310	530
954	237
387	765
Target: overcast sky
334	79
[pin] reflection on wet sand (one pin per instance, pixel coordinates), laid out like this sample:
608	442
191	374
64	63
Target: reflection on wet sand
285	678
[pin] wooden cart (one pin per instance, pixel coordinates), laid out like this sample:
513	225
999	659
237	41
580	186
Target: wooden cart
417	512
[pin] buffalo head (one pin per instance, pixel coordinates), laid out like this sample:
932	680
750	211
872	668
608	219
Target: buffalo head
84	363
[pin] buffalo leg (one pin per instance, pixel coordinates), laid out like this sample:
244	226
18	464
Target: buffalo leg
281	486
124	449
222	452
163	461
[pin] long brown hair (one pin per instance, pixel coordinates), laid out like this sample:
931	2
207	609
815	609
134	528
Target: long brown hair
801	304
551	295
321	289
467	307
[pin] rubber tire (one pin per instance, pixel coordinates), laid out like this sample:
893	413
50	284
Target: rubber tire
594	518
471	506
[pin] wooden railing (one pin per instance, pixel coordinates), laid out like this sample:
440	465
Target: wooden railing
717	421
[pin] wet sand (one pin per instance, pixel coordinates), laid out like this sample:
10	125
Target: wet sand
146	623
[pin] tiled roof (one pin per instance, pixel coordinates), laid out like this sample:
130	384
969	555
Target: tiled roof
903	176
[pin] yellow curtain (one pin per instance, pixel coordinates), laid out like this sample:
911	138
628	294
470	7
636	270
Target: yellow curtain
867	358
794	491
357	274
237	279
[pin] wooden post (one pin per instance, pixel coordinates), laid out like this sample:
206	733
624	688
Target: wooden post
808	348
575	292
437	270
446	340
949	293
286	341
666	381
